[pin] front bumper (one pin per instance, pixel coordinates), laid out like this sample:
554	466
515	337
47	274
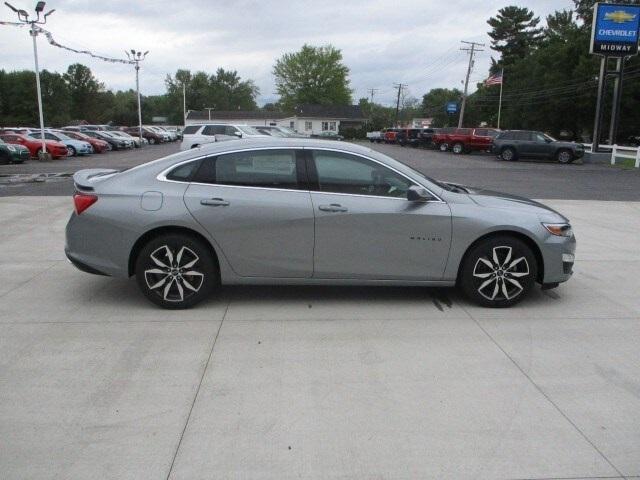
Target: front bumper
559	258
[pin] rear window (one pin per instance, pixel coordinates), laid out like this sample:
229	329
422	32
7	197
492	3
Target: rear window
183	173
191	129
463	131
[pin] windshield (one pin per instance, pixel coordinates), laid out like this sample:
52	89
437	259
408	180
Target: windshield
288	130
549	137
249	130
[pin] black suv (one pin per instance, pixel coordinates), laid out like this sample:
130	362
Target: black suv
512	144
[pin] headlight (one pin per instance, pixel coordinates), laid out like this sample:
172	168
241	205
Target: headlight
11	148
559	229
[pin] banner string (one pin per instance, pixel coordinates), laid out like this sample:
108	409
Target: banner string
51	41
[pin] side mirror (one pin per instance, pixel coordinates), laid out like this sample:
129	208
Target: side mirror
418	194
238	134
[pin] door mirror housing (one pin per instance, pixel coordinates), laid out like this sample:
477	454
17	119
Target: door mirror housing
418	194
238	134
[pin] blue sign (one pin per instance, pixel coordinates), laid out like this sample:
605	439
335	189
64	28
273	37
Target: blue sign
452	107
615	28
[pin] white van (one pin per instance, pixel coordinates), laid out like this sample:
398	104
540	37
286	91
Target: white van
195	135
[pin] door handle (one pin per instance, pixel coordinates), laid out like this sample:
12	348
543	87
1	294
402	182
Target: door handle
334	207
214	202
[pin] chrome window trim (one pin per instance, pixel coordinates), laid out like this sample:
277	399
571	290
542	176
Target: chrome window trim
162	176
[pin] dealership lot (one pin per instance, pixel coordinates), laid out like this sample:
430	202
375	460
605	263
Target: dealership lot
396	383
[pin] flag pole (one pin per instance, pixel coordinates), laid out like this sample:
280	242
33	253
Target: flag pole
500	101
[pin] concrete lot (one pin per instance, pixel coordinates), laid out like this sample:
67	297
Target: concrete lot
540	179
317	383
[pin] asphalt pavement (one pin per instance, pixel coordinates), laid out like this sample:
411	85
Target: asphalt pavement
533	179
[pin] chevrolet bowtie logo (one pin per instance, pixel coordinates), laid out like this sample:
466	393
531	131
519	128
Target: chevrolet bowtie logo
619	16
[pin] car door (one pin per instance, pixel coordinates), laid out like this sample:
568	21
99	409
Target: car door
540	146
365	228
525	144
257	207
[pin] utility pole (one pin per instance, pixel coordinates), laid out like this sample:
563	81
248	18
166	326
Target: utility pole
136	58
372	92
23	16
399	86
184	103
472	52
209	110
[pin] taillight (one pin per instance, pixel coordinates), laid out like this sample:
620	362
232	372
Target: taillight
82	201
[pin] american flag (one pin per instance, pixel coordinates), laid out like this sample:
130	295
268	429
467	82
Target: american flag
495	79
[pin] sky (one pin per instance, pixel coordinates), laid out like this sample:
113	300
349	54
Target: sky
414	42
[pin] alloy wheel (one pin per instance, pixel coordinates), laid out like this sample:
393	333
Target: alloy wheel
507	154
497	277
564	156
174	274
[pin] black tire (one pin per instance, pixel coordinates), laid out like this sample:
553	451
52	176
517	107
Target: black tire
171	286
458	148
508	154
484	281
565	156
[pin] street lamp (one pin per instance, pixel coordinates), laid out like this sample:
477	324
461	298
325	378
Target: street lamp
23	17
136	57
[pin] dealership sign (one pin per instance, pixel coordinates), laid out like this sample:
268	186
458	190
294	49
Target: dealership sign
452	107
615	28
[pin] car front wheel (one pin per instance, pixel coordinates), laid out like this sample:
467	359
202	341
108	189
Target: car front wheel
176	271
443	147
457	148
498	272
564	156
508	154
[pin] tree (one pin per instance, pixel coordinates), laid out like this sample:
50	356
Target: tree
514	33
84	89
434	105
312	75
560	24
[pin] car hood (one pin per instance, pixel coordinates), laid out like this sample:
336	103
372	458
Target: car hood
492	199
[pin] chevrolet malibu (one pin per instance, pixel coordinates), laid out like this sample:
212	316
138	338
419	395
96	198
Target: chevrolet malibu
299	211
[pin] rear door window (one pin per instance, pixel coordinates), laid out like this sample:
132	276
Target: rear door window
256	168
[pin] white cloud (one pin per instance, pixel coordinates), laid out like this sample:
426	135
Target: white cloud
412	41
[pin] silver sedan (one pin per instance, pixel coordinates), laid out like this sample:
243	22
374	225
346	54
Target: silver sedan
298	211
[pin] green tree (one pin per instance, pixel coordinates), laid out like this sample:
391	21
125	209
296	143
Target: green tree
85	90
312	75
434	105
514	33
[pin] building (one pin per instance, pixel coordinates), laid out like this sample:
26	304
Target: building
308	119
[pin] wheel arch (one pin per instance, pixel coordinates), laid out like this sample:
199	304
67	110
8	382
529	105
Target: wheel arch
530	242
144	238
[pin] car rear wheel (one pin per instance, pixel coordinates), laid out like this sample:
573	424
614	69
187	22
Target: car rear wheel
508	154
71	151
498	271
443	147
176	271
564	156
152	141
457	148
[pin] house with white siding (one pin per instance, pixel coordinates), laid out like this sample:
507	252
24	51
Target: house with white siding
307	119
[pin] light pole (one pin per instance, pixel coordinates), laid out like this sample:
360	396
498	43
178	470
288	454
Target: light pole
136	57
23	16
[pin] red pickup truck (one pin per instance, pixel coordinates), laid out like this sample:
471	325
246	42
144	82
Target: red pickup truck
461	140
390	135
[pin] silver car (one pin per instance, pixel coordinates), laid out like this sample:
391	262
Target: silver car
298	211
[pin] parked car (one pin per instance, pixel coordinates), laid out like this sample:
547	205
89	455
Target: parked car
173	135
408	136
513	144
464	140
117	143
328	136
278	131
165	135
377	136
441	138
74	147
308	212
137	141
195	135
11	153
99	146
390	135
53	147
425	137
150	136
